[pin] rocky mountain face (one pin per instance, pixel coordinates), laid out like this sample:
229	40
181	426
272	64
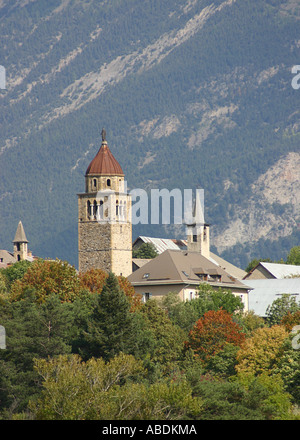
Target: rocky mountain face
192	93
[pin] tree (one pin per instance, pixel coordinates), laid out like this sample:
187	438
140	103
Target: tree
94	280
218	299
294	256
288	368
261	352
145	251
249	321
99	390
182	314
32	331
243	398
110	327
211	333
185	314
75	390
253	263
15	272
48	277
168	338
280	307
290	320
3	288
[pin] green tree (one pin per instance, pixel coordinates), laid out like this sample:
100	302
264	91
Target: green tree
185	314
32	331
145	251
110	326
99	390
253	263
288	367
281	307
243	398
168	338
294	256
15	271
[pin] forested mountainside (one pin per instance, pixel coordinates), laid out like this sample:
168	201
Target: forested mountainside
192	93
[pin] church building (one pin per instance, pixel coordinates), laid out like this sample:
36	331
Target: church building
104	216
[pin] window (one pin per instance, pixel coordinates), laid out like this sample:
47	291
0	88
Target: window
146	297
95	182
108	182
146	275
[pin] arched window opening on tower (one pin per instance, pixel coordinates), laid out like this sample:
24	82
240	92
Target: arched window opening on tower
89	210
95	210
108	182
95	183
117	208
100	210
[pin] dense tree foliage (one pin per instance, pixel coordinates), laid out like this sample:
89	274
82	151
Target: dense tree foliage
95	353
211	333
145	251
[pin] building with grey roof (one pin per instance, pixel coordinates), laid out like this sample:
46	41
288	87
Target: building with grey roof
265	291
265	270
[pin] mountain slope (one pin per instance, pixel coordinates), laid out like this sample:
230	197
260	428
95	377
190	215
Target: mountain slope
193	94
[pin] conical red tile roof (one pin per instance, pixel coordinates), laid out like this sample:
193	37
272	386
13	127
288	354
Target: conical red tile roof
104	163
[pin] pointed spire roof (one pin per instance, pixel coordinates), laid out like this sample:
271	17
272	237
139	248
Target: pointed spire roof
104	163
20	236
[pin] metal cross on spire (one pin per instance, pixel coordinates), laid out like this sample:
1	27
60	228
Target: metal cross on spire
103	133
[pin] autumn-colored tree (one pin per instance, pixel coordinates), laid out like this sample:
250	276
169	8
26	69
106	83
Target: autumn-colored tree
134	298
94	280
48	277
262	351
212	332
290	320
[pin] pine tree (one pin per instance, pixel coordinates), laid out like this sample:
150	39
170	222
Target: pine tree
110	328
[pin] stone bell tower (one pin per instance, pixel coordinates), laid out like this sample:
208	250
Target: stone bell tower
20	243
198	230
104	216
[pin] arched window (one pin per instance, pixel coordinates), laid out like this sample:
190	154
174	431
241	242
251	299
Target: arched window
95	183
95	209
108	182
89	210
117	208
101	210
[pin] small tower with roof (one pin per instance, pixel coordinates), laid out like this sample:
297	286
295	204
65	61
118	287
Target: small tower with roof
104	216
198	230
20	243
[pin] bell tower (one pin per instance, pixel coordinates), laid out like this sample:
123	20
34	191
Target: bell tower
104	216
198	230
20	243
